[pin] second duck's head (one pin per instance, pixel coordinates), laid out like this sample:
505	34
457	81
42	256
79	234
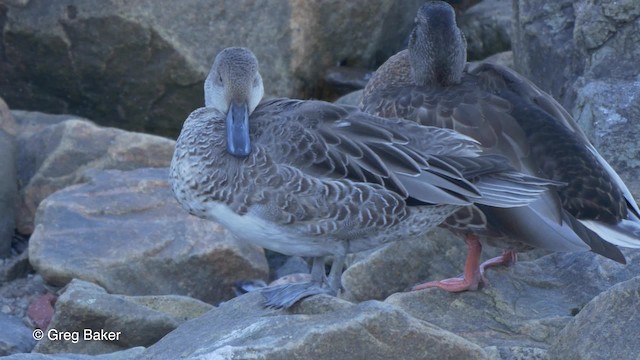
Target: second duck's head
437	47
234	87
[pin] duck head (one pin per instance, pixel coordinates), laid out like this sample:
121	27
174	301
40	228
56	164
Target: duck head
437	47
234	87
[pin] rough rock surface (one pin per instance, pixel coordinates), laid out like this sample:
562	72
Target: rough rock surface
124	231
130	354
133	320
606	328
319	328
15	337
398	266
585	54
487	28
525	306
54	151
140	65
8	181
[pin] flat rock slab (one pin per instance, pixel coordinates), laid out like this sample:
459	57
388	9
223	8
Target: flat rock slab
525	306
55	151
321	327
607	328
124	231
15	336
102	323
130	354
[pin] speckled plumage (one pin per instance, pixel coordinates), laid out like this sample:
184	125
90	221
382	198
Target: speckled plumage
432	84
323	179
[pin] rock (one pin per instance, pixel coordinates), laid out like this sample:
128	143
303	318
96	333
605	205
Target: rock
100	322
584	53
344	79
40	311
130	354
353	98
14	268
18	294
400	265
53	157
608	109
15	337
124	231
606	328
8	181
542	44
487	28
293	265
504	58
524	307
141	65
320	327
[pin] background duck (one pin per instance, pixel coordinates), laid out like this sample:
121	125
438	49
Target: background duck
311	178
432	84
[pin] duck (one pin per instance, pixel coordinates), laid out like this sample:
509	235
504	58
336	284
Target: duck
432	83
315	179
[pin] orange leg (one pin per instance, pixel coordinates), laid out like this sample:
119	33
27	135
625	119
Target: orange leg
472	272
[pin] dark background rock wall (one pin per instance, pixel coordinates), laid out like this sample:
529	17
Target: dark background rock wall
140	65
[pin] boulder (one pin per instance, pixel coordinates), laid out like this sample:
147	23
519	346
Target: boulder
584	54
8	180
130	354
54	151
606	328
15	337
101	323
542	44
487	28
141	65
437	255
320	327
124	231
524	308
400	265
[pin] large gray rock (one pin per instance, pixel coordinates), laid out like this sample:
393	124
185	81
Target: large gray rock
54	151
15	337
140	65
400	265
8	180
321	327
585	54
487	28
133	320
124	231
524	307
607	328
130	354
437	255
542	44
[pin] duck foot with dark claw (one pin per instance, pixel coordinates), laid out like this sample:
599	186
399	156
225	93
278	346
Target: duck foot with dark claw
508	258
286	295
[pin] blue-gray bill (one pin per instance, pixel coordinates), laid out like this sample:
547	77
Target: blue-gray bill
238	142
